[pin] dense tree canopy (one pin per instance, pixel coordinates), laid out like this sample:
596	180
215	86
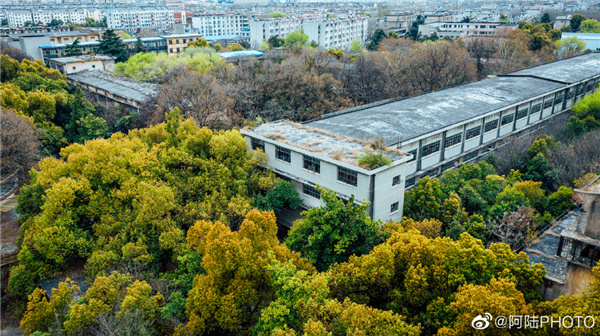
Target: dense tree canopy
60	114
128	199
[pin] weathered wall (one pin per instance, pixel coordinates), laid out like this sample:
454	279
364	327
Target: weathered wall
575	282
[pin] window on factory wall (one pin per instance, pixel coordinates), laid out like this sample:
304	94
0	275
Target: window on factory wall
394	207
536	108
430	148
414	154
522	113
507	119
311	191
452	140
490	125
347	176
548	103
473	132
257	144
312	164
410	182
396	180
283	154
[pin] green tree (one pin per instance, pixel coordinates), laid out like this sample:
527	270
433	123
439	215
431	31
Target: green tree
276	42
356	46
332	233
229	297
303	306
423	201
277	15
337	53
282	195
73	49
569	47
419	277
8	68
160	180
590	26
393	34
112	45
139	46
545	18
576	21
378	36
296	40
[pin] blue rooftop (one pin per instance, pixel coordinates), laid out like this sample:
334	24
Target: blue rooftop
220	37
243	53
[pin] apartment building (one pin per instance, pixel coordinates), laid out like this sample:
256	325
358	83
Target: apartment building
339	33
18	18
398	22
220	24
135	18
71	36
176	44
455	30
43	16
439	130
156	44
328	33
262	30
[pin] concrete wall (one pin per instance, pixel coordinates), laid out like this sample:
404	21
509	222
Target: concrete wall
428	164
385	194
575	282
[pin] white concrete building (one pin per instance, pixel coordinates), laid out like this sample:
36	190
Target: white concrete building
75	64
461	29
134	18
219	24
262	30
42	16
338	33
77	16
328	33
18	18
309	157
62	15
440	130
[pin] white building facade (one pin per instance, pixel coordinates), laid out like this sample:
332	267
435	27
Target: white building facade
219	24
309	158
132	19
337	34
328	33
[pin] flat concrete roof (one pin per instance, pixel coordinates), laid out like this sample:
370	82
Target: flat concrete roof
69	33
79	59
334	146
568	71
118	86
401	120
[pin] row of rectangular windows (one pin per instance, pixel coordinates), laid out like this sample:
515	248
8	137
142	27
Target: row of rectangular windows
473	132
490	125
314	192
522	113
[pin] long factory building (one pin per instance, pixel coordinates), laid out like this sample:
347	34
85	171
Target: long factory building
424	135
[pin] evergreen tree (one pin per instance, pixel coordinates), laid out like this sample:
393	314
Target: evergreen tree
378	36
73	49
112	45
139	46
